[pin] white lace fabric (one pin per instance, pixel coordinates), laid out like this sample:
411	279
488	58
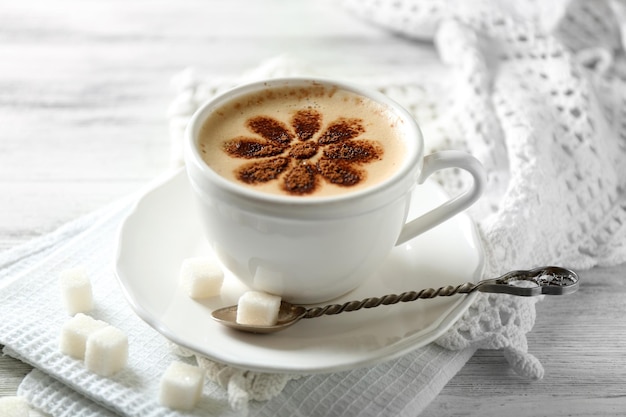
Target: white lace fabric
537	94
535	90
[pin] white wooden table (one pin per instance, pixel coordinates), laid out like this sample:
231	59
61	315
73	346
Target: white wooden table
84	89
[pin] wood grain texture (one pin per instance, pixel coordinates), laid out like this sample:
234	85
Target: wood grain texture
580	341
84	91
84	87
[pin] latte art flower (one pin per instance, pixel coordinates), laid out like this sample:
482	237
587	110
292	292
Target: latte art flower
302	155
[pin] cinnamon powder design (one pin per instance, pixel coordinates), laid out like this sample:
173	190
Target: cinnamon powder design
303	155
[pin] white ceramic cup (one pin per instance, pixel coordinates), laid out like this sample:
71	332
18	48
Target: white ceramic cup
313	249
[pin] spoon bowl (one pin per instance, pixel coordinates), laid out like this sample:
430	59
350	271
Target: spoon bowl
288	314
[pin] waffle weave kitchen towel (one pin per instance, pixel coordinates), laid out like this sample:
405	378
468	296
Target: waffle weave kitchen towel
33	315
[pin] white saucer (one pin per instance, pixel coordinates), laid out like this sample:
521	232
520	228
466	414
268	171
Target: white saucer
163	229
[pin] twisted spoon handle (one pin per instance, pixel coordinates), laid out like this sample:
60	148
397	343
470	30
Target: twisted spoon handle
545	280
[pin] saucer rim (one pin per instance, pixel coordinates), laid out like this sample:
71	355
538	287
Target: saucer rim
426	335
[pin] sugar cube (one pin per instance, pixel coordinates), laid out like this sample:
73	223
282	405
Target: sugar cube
75	332
258	308
76	290
14	407
201	278
107	351
181	386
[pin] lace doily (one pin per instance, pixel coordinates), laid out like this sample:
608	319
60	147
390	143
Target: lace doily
537	93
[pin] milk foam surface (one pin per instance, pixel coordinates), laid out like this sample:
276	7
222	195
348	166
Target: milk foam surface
303	141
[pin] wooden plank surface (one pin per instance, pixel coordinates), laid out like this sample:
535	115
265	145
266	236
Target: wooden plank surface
580	341
84	91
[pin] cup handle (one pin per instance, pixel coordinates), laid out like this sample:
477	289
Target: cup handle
435	162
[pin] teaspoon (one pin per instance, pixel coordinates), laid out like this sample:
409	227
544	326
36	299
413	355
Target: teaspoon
550	280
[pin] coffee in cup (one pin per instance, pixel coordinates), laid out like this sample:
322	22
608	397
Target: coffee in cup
303	141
